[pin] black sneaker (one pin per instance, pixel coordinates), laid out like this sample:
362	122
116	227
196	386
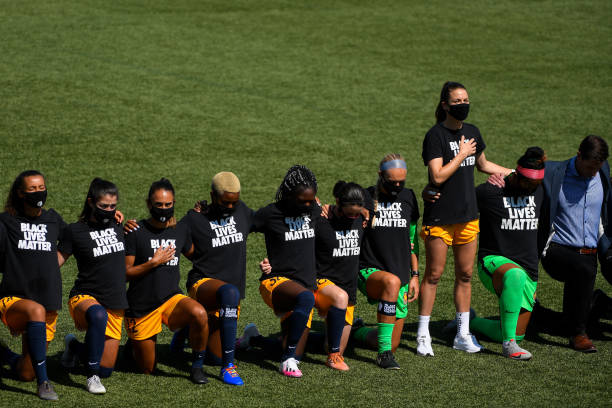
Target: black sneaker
198	376
387	361
46	391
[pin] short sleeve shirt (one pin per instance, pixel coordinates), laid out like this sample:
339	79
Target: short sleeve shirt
290	242
509	225
337	246
28	251
457	202
149	291
386	245
100	254
220	243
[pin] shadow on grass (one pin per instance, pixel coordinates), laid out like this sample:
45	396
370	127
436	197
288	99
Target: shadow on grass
5	387
61	375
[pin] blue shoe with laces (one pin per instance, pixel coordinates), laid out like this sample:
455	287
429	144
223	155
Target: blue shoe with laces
230	376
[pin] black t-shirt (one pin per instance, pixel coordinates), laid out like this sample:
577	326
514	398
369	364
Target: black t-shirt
28	251
220	245
509	225
386	245
457	202
290	242
100	255
337	248
151	290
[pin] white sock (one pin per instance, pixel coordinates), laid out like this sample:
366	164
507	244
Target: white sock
463	323
423	329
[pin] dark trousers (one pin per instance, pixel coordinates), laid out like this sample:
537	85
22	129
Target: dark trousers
578	273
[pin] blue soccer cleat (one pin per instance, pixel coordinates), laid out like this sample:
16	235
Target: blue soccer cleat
230	376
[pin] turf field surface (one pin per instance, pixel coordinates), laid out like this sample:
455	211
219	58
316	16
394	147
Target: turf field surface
135	90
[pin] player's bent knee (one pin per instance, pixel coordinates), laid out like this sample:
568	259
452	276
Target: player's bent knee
305	300
340	299
228	295
36	313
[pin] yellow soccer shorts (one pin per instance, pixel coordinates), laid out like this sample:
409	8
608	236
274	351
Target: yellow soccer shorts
145	327
267	287
115	317
50	317
453	234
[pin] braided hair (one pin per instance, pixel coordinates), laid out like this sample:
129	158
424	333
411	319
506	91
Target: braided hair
298	177
447	88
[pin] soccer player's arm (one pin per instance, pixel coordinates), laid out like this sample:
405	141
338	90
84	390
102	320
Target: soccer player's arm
161	256
64	246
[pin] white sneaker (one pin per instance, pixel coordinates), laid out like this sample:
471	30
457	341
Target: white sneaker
424	346
94	385
69	359
467	343
243	343
290	368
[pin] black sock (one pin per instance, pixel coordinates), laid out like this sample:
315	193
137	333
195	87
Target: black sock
228	297
297	322
335	325
94	337
36	333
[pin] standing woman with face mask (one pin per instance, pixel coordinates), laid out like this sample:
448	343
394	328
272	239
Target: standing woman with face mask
389	263
451	150
153	271
289	229
98	297
31	288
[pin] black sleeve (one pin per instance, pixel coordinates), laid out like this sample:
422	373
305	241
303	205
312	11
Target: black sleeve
432	148
250	218
369	202
259	220
61	224
480	196
415	207
480	144
188	240
65	241
2	240
130	243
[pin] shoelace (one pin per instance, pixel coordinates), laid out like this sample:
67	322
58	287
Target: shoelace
231	371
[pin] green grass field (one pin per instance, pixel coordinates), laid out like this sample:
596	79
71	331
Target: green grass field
135	90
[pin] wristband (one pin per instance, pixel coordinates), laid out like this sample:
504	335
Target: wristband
414	273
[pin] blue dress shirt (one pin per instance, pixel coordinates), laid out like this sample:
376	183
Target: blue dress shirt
579	211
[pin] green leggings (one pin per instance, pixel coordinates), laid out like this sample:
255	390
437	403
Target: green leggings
517	293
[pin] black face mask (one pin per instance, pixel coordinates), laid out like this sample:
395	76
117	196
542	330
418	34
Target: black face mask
223	210
391	187
103	216
459	111
161	214
35	199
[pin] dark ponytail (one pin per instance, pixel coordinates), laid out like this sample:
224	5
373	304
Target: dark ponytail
447	88
349	193
14	205
161	184
97	189
533	158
